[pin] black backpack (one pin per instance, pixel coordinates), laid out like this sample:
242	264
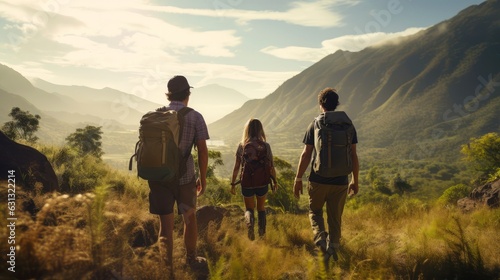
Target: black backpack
256	168
333	134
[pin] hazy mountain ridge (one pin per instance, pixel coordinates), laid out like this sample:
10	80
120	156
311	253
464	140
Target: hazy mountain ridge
51	129
119	108
396	93
65	108
215	101
13	82
110	97
220	99
107	104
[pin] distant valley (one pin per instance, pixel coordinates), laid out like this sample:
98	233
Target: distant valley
65	108
419	98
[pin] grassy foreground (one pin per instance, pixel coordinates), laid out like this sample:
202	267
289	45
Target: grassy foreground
109	234
100	228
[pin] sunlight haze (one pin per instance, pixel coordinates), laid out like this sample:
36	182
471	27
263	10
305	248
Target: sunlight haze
249	46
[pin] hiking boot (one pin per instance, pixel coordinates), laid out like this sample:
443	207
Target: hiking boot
250	221
195	261
321	244
251	233
198	265
332	253
322	247
262	223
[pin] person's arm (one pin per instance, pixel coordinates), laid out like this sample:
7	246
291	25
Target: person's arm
201	183
274	182
353	186
236	170
274	179
305	159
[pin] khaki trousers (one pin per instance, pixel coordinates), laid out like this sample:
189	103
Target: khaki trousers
335	197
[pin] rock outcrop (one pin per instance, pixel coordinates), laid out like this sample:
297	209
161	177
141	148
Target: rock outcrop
30	165
207	214
485	195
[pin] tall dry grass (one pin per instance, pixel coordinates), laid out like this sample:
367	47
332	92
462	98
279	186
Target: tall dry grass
107	234
105	231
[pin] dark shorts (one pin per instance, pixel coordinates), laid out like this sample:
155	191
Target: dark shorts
162	197
257	191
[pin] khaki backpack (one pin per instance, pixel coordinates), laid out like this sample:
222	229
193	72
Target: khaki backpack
157	152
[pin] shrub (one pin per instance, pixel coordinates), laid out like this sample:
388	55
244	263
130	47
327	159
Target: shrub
453	194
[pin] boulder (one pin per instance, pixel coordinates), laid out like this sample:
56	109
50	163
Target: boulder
30	165
207	214
485	195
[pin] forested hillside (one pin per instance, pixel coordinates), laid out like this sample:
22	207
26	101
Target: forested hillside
427	92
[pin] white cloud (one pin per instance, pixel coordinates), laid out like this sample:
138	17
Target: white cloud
296	53
17	12
311	14
104	37
111	22
351	43
126	41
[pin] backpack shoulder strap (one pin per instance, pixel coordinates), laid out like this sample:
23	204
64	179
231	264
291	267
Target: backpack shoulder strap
183	111
319	120
180	116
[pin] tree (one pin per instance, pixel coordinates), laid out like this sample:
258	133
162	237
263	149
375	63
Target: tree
87	140
215	159
380	186
372	175
23	126
399	185
281	164
483	153
284	198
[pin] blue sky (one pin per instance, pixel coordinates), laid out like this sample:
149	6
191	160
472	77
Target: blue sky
252	46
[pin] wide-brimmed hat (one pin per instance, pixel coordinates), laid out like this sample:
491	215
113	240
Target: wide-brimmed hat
177	84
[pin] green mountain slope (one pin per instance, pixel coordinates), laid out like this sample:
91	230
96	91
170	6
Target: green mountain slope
407	95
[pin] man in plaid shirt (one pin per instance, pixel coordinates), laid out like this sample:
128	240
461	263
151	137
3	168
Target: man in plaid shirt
163	195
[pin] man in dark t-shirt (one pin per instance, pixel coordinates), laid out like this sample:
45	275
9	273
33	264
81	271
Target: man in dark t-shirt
332	190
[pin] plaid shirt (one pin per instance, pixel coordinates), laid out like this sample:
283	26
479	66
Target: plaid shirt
194	129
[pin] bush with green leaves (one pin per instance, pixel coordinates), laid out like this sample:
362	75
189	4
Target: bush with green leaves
454	193
283	197
76	173
217	193
483	153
